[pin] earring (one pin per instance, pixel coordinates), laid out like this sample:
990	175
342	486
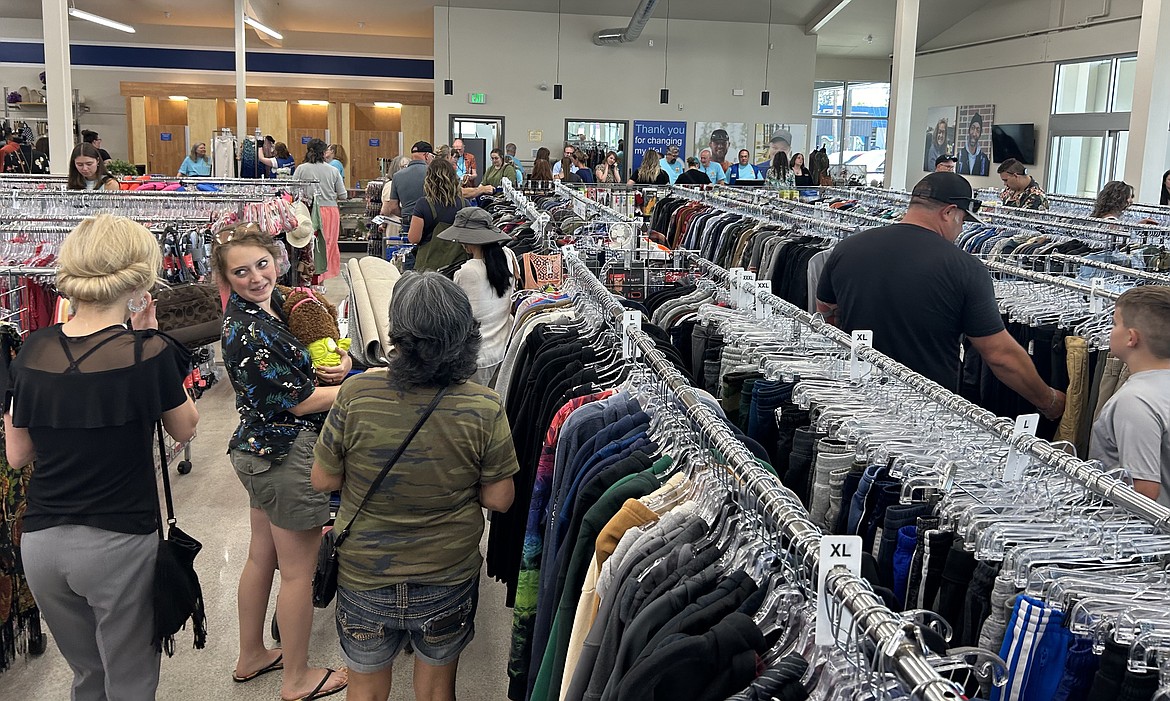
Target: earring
138	306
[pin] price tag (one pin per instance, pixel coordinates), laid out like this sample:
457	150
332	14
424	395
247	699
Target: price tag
836	550
1096	299
1018	461
631	321
858	368
763	309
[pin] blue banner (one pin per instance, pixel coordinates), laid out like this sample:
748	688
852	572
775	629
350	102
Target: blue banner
164	136
658	136
375	143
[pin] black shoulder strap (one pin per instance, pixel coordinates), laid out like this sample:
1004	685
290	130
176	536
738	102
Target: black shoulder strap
386	470
166	480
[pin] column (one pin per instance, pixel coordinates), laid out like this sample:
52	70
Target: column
901	96
137	117
241	74
58	71
1149	121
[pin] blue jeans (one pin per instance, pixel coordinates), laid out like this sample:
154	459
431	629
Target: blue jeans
374	626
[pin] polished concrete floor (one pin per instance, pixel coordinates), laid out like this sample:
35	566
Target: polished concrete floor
212	506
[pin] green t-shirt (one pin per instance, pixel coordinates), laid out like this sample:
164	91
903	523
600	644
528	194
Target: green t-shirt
425	523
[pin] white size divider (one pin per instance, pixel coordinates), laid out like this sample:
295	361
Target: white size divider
1018	461
836	551
858	368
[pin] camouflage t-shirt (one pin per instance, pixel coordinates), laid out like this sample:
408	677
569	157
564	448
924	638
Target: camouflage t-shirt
425	523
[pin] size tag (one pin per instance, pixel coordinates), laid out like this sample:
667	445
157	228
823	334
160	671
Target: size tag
1018	461
747	291
833	622
736	275
1096	300
631	321
763	309
858	368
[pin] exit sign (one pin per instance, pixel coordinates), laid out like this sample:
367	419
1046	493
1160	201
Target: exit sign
476	98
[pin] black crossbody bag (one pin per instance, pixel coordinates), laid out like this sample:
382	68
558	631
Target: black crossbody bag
325	576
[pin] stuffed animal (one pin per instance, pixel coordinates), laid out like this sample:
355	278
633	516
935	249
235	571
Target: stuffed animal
313	321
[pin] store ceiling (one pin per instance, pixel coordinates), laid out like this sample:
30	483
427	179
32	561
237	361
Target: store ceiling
863	29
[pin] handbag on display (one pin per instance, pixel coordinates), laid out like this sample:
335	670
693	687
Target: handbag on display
542	272
325	576
177	594
190	313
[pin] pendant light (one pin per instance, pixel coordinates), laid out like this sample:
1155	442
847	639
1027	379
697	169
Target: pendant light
558	89
765	96
664	94
448	84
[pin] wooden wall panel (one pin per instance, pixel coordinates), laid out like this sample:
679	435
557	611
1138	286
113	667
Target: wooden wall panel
308	116
172	111
296	145
370	118
273	119
165	157
203	120
137	125
363	158
417	125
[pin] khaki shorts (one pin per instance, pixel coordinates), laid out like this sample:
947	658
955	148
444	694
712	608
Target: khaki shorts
282	488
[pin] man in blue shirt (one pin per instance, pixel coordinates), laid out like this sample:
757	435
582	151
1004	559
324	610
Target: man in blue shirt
672	164
711	168
743	170
569	151
510	150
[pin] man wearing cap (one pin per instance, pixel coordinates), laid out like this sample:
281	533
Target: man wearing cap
945	163
781	141
919	293
671	163
972	159
711	168
400	194
719	144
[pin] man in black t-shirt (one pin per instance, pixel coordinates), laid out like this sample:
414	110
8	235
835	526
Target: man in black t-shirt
918	293
692	175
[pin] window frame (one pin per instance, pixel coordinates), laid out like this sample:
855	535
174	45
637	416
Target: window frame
844	117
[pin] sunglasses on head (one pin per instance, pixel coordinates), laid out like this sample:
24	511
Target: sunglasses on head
226	235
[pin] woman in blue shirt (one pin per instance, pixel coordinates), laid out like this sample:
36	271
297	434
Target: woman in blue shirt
335	156
196	163
281	159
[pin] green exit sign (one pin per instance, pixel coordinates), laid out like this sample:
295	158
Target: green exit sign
477	98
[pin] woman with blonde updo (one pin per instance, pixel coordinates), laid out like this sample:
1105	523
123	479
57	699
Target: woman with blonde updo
86	396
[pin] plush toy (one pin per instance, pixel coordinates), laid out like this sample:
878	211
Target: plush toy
313	321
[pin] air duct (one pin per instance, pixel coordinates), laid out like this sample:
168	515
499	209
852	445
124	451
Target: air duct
617	35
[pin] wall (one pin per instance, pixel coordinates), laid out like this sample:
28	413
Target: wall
1016	74
707	61
853	69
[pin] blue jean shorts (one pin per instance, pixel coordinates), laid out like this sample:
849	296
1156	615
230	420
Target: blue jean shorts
374	626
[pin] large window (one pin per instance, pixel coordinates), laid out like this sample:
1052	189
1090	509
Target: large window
850	120
1090	124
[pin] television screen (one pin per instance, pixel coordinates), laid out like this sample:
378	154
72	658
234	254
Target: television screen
1016	141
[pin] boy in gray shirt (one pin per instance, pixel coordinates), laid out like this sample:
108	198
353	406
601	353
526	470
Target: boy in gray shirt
1133	429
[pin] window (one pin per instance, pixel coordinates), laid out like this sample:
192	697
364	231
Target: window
1089	128
850	120
1092	87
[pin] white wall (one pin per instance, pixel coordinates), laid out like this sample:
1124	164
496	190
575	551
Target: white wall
707	61
1017	75
853	69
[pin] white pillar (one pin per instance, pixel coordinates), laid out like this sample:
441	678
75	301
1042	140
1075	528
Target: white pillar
902	95
241	75
1149	121
59	83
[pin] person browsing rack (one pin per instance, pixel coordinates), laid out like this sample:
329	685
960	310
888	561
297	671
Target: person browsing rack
1020	189
87	170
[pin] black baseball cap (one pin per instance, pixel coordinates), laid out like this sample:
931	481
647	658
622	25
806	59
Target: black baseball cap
949	188
422	147
720	135
944	158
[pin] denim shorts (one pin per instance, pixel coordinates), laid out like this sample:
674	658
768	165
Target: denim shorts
374	626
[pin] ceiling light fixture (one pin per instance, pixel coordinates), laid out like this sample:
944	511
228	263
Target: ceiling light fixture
263	28
448	84
765	96
178	98
315	103
98	19
558	89
254	100
394	105
664	94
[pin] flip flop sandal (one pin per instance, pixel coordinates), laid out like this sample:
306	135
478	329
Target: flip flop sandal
317	693
276	664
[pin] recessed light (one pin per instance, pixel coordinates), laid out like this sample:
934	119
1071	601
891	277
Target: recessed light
179	98
395	105
317	103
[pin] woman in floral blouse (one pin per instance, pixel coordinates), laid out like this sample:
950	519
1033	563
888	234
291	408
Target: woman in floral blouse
281	411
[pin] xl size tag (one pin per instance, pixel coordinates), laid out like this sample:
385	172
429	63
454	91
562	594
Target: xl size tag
836	550
858	368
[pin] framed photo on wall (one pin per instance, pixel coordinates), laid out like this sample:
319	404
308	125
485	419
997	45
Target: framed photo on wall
725	139
940	134
973	139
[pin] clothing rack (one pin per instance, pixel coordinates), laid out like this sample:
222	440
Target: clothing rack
228	185
1083	473
1081	203
760	212
782	510
586	208
540	220
1156	278
1053	280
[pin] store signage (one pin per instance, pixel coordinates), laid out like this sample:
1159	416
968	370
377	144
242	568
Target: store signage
658	136
535	136
375	143
165	136
476	98
305	140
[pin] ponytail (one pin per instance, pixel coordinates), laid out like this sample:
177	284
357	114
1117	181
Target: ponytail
499	272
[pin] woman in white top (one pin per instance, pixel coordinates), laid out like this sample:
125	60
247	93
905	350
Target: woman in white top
489	278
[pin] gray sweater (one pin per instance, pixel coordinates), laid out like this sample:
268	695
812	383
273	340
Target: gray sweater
329	187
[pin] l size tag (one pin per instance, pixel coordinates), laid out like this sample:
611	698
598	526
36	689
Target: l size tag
1017	460
833	621
763	309
1096	299
631	321
858	368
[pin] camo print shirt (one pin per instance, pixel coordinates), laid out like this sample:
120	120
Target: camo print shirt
425	523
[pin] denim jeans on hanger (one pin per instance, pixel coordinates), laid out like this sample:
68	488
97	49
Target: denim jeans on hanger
767	397
896	517
872	473
791	418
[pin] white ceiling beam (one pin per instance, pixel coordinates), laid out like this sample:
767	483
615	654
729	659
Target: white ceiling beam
824	14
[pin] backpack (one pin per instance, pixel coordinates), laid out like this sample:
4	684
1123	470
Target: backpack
434	253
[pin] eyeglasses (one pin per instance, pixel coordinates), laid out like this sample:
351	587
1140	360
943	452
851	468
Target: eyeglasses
226	235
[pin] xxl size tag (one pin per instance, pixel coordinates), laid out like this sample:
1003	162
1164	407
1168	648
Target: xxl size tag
858	368
833	622
1017	460
747	291
763	309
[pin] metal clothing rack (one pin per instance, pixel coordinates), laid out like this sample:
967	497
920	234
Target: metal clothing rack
540	220
1081	472
1156	278
1081	203
782	510
761	212
1053	280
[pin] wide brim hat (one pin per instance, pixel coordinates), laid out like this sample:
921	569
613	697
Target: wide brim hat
473	225
303	234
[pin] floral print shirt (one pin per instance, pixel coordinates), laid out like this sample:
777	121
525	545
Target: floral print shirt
1031	198
271	372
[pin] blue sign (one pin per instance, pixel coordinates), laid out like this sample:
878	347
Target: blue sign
165	136
658	136
375	142
305	140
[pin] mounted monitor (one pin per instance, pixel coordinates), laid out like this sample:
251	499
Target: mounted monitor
1016	141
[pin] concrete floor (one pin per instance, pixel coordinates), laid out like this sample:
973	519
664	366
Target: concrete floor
212	506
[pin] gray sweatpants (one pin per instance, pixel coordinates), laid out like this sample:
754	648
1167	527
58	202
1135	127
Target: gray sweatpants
95	591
